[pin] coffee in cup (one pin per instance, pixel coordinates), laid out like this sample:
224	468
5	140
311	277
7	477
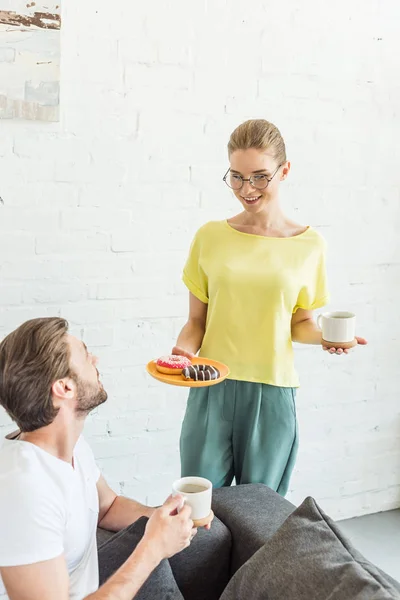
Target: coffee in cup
196	493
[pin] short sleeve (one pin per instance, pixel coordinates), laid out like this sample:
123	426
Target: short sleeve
314	293
194	276
32	522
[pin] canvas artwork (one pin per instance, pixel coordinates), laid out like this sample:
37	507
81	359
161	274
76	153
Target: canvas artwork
29	60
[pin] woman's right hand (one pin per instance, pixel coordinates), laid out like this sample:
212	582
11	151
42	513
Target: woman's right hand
167	531
177	350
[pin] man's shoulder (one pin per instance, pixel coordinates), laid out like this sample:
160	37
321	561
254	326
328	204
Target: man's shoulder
24	474
33	505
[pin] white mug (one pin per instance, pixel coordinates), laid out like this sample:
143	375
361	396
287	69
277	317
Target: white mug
337	327
197	493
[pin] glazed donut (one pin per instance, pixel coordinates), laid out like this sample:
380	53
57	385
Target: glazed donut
172	364
200	373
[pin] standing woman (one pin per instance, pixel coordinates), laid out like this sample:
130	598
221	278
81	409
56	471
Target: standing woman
254	281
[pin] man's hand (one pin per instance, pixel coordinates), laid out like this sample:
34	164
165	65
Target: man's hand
169	532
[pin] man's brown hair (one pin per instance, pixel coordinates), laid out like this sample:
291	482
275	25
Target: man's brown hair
32	358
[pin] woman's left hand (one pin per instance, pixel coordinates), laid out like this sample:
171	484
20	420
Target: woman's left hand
360	342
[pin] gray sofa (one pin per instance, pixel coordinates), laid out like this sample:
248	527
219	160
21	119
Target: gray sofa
265	548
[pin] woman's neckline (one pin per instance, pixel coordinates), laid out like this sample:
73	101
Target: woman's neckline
266	237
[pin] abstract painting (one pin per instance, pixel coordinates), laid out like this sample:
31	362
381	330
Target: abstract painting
30	60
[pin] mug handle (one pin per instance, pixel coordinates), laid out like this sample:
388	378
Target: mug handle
319	321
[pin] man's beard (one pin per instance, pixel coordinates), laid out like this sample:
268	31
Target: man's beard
89	397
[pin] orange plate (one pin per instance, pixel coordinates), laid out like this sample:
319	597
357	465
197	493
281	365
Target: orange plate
178	380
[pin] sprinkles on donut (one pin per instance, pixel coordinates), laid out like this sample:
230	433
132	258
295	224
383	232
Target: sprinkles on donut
172	364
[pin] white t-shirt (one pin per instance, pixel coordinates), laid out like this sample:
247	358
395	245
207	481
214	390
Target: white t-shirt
49	508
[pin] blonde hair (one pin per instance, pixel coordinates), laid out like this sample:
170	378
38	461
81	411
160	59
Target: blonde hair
261	135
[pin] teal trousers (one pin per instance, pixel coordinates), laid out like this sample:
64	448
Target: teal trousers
241	430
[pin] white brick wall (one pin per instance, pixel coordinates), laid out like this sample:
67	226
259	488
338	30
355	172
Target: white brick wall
100	210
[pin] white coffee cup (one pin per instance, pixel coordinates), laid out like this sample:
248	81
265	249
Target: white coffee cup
337	327
196	493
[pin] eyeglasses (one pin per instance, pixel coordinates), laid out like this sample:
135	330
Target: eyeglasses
260	182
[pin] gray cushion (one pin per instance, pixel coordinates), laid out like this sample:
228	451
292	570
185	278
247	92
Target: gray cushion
309	558
253	513
118	548
201	571
103	535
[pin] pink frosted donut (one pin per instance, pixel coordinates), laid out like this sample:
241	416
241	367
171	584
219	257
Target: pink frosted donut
172	364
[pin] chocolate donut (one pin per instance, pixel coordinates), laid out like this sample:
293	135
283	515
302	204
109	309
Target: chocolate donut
200	373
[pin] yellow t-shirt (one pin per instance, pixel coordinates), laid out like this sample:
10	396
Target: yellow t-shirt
252	285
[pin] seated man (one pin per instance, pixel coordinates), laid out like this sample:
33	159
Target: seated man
52	496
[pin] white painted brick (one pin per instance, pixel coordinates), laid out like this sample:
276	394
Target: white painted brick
95	218
139	288
129	424
6	425
115	121
100	335
74	171
191	130
40	143
88	313
139	238
121	378
95	426
162	422
98	57
137	49
173	52
34	169
11	294
104	195
131	241
137	354
115	468
27	220
148	262
163	171
55	294
140	398
165	463
136	491
155	77
158	496
142	332
71	243
16	315
62	268
6	144
168	306
166	196
16	244
38	195
122	446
